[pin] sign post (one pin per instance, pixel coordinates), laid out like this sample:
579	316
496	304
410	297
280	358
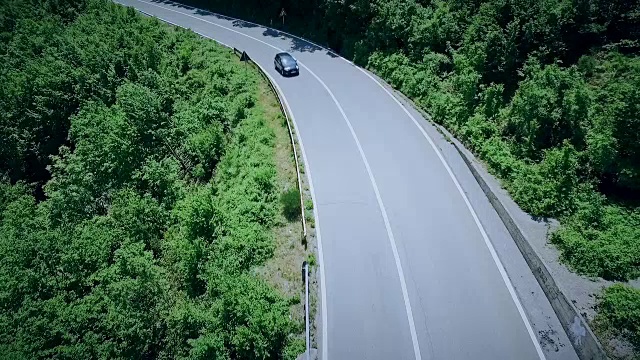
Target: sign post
305	279
245	58
282	15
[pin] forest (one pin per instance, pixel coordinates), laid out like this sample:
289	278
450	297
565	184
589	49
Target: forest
545	92
138	190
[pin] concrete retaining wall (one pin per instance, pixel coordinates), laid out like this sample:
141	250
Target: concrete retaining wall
582	338
584	341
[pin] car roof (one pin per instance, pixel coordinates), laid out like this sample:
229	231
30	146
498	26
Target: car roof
286	54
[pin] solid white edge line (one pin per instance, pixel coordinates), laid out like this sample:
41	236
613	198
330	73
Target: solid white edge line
392	241
488	243
492	250
494	255
323	291
403	285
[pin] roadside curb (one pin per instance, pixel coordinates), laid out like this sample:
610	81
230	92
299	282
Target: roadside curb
584	341
582	338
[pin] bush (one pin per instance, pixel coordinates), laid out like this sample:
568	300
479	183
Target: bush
619	308
602	241
551	187
156	208
290	201
550	106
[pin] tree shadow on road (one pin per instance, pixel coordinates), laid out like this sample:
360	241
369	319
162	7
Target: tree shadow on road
297	44
332	54
244	24
174	4
209	13
272	33
304	46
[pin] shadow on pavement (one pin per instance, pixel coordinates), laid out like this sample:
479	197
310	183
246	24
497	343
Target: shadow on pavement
217	16
243	24
303	46
272	33
296	43
172	3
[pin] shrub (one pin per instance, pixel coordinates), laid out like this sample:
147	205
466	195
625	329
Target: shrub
619	307
602	241
549	188
290	201
125	254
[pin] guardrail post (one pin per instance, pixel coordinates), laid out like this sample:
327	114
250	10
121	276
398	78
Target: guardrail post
305	278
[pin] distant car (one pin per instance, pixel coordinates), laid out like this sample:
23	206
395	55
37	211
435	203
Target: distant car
286	64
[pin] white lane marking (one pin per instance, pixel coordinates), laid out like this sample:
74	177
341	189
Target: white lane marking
403	285
494	255
392	241
323	289
492	250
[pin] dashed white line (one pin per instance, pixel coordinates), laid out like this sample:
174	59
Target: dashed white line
392	242
485	237
492	250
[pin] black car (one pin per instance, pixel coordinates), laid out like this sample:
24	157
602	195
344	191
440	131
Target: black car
286	64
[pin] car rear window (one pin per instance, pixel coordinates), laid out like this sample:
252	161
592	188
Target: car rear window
287	60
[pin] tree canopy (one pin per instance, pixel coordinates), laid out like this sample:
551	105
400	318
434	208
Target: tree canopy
137	192
546	92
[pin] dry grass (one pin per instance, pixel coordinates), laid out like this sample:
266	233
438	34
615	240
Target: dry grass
284	269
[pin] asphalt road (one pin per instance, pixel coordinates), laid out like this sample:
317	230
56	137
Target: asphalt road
408	267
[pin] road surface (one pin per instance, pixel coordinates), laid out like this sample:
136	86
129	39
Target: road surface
408	267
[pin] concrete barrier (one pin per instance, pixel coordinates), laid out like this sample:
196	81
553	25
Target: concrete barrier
582	338
584	342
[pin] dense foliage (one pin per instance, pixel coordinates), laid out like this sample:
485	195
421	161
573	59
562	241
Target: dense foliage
619	308
546	92
137	192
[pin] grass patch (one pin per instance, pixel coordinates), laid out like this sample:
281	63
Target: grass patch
160	207
284	268
618	315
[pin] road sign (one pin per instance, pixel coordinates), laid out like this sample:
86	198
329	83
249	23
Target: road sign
244	57
282	15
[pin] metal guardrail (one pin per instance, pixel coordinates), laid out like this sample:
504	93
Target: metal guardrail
305	278
293	143
284	110
305	266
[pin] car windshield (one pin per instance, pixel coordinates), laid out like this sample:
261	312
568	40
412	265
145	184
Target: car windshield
287	60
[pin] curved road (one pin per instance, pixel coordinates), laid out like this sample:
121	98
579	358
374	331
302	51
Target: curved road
408	268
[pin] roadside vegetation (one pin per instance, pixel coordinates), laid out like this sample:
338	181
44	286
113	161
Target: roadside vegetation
140	192
545	92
